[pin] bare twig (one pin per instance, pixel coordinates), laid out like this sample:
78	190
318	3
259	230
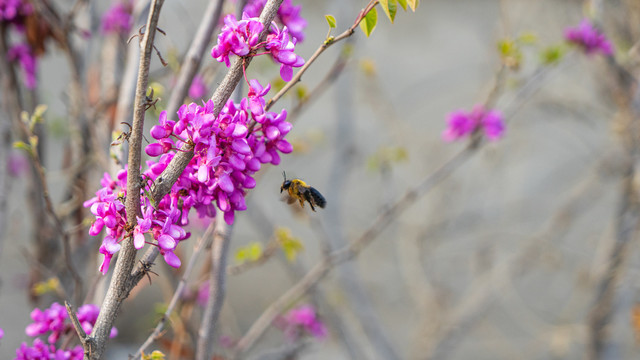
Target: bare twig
217	289
627	221
322	268
76	323
325	45
203	242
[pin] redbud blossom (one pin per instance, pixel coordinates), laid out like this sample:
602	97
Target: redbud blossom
590	38
462	124
118	18
23	54
303	320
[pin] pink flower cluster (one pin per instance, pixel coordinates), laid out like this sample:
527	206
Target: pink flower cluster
288	15
55	320
590	38
198	88
14	10
23	54
226	155
462	124
42	351
302	320
242	37
118	18
163	222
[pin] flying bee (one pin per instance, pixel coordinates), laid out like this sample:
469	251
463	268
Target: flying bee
299	190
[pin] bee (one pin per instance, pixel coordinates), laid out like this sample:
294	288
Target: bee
299	190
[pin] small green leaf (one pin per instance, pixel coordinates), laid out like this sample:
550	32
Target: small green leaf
302	92
368	24
390	8
22	146
38	113
251	252
527	38
33	141
552	54
331	21
290	246
413	4
157	355
403	3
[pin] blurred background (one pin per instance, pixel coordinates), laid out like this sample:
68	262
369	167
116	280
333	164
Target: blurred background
507	256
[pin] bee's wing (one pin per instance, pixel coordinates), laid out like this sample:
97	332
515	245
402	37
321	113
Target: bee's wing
318	199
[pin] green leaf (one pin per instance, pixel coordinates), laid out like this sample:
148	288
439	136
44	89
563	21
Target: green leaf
413	4
331	21
22	146
251	252
403	3
38	113
157	355
369	22
527	38
390	8
552	54
290	246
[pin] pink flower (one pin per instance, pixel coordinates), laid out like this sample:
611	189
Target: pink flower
18	164
24	55
303	320
198	88
590	38
461	124
118	18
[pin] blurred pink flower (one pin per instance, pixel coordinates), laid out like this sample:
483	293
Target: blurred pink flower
198	88
590	38
303	320
18	164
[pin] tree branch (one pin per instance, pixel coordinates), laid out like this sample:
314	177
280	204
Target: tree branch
120	287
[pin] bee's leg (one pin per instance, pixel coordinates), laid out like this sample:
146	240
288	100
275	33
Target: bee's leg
301	200
309	198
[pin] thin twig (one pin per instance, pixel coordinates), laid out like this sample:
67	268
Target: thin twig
325	45
76	323
627	219
217	289
322	268
203	242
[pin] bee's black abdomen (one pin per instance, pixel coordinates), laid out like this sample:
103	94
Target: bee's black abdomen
318	199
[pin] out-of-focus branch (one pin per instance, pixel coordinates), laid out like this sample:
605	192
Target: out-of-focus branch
12	102
217	288
332	75
627	221
322	268
325	45
194	55
120	284
203	243
11	107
